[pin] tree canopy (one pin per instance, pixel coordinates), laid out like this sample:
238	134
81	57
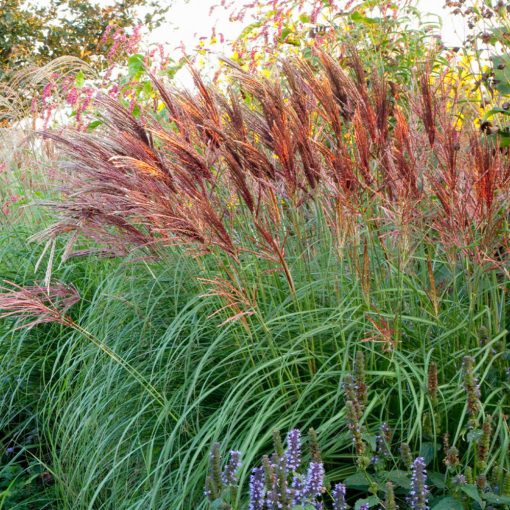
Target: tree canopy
31	33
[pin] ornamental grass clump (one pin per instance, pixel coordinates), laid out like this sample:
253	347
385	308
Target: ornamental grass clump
267	240
242	171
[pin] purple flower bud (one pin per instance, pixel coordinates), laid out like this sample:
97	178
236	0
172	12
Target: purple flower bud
338	493
364	506
459	480
293	453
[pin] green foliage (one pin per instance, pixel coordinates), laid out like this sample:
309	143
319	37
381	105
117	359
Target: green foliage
170	353
32	33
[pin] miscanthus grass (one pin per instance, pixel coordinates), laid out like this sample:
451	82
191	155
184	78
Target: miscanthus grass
267	268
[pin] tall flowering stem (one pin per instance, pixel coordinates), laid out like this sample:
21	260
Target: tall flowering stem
405	455
472	389
432	383
389	501
484	443
33	305
36	304
360	378
214	482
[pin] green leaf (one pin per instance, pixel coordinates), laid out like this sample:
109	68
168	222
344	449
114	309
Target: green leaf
356	480
371	439
79	79
493	111
448	503
136	66
400	478
428	452
502	76
147	88
371	501
359	18
472	492
504	141
495	499
474	435
437	480
93	125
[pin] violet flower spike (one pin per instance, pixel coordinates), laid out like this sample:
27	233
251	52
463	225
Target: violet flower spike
314	483
293	453
257	489
338	493
297	490
419	490
230	472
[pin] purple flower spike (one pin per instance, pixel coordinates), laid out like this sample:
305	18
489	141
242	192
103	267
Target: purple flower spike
257	489
364	506
314	483
297	490
419	490
230	473
293	453
338	492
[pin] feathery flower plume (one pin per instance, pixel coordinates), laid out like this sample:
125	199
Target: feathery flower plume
36	304
383	440
278	444
352	395
296	488
452	457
